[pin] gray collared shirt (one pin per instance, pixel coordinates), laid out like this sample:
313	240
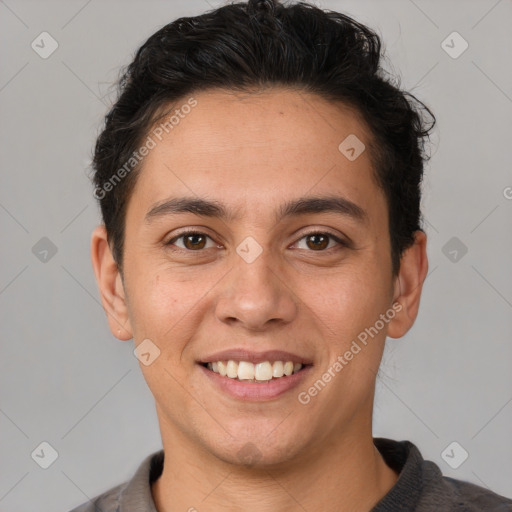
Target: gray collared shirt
132	496
421	487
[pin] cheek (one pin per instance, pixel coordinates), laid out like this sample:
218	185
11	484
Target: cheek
347	301
167	308
349	308
155	304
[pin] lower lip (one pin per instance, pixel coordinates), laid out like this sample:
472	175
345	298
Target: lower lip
255	391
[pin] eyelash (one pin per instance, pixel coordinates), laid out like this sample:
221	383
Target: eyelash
170	243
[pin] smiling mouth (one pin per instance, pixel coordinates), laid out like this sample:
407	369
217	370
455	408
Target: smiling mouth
245	371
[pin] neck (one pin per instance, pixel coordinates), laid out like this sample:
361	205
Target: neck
344	474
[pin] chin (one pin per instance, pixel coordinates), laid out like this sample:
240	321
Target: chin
256	452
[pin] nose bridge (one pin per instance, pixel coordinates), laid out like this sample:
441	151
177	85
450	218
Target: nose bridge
254	294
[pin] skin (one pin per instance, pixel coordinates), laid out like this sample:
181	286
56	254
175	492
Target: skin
253	152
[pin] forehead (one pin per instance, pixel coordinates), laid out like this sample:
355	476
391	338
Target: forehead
257	148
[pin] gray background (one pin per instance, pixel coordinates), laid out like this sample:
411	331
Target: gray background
66	380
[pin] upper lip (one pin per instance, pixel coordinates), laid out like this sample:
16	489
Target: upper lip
241	354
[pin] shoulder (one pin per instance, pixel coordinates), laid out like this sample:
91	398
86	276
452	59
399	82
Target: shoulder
134	494
421	486
443	493
106	502
471	497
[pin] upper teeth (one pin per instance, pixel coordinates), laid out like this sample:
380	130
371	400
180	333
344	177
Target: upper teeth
244	370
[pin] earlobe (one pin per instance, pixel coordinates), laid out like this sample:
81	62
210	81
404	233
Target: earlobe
110	285
408	286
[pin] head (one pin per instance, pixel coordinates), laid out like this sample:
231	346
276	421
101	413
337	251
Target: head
281	138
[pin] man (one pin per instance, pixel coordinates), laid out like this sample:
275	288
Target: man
259	181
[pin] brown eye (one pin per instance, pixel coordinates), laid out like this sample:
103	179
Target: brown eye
317	241
194	241
190	241
320	241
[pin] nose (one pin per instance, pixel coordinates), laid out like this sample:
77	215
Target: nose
256	295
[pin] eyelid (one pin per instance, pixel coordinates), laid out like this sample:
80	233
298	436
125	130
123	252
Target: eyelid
318	231
186	232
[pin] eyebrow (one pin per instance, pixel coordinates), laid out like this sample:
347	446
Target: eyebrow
296	207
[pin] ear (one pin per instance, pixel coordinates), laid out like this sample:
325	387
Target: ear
408	286
110	285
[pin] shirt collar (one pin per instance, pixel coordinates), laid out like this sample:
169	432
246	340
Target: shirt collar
136	495
402	456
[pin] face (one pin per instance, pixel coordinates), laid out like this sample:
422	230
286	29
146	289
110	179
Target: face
289	252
